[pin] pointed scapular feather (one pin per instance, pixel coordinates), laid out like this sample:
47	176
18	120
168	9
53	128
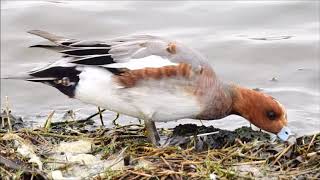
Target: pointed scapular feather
95	60
89	44
85	52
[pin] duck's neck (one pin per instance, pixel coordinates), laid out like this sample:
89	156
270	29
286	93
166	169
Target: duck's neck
217	102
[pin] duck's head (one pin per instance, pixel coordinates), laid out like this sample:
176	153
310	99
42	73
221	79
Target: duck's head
261	110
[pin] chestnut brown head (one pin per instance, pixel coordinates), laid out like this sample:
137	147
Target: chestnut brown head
261	110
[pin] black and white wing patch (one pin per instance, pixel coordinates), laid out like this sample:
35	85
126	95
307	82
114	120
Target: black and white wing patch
122	49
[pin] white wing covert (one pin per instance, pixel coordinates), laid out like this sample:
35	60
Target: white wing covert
135	47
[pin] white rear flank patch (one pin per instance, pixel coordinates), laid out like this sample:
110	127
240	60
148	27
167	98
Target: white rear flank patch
152	61
159	100
97	87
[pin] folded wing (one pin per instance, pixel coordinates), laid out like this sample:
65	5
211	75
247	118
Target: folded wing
122	50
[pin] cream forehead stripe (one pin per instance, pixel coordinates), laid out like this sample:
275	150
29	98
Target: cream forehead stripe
283	109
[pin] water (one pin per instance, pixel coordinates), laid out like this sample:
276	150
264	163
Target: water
248	43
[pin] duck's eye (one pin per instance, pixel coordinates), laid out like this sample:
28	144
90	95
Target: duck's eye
271	115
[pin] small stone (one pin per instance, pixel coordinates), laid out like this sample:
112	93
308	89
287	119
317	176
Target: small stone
274	79
257	89
213	176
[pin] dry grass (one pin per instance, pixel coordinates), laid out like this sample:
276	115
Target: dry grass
239	160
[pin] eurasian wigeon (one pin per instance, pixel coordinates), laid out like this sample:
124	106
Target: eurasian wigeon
154	79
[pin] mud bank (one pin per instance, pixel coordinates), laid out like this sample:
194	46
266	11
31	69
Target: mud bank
77	150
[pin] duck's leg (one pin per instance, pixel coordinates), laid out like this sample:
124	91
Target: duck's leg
152	132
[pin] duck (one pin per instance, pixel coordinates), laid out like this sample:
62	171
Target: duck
154	79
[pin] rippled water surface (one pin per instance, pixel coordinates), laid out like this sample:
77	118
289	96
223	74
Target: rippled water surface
248	43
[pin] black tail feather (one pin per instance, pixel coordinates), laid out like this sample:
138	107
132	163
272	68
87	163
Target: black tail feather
56	72
65	79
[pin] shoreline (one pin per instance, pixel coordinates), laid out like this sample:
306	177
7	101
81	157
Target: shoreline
73	149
